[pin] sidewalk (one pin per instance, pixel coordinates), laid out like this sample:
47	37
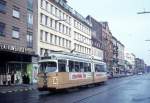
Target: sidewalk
17	88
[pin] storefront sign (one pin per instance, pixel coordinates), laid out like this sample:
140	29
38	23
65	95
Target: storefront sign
15	48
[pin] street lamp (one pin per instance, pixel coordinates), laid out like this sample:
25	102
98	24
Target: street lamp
143	12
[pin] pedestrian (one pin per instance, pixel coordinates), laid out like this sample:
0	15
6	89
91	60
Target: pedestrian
23	79
9	79
12	78
28	79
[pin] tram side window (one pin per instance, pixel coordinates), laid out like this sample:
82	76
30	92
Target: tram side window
87	67
81	67
74	66
99	68
62	65
71	66
77	66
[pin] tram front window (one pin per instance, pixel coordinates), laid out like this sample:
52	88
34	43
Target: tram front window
48	67
100	68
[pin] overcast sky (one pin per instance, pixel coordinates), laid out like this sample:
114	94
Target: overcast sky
124	22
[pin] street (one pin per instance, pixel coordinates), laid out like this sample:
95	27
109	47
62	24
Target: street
132	89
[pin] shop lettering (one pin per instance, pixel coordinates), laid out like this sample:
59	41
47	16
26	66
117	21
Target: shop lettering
14	48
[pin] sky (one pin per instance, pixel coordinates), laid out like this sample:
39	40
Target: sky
126	25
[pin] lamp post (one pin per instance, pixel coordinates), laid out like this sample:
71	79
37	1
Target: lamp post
144	12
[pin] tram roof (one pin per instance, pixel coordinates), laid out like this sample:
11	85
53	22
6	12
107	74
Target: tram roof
71	56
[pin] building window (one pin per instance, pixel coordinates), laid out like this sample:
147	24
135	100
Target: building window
46	6
30	5
51	22
69	20
60	14
29	39
43	3
52	9
46	36
56	24
15	32
51	38
41	51
41	35
63	43
63	26
16	12
59	42
46	20
30	20
43	19
55	41
2	6
2	28
66	30
49	7
59	27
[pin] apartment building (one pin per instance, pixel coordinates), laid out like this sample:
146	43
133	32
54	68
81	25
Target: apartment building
121	59
129	62
107	44
60	28
97	49
17	23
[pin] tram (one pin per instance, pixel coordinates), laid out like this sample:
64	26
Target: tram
63	70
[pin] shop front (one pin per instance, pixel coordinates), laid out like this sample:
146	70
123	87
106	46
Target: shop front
15	66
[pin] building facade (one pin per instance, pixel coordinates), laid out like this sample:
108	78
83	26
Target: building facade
121	59
129	62
60	28
17	23
107	44
115	56
97	49
139	65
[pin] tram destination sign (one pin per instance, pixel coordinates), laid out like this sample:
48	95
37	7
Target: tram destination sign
15	48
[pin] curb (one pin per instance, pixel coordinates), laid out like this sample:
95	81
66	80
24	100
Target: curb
17	90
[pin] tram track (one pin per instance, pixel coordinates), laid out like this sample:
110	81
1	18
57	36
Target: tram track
115	86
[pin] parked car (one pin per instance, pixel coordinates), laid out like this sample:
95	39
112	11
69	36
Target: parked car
109	75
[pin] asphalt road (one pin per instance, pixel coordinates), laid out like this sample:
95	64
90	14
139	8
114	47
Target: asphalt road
133	89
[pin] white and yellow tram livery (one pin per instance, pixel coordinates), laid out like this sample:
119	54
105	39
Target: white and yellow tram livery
62	70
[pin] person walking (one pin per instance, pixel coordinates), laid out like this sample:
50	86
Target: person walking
12	78
9	79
